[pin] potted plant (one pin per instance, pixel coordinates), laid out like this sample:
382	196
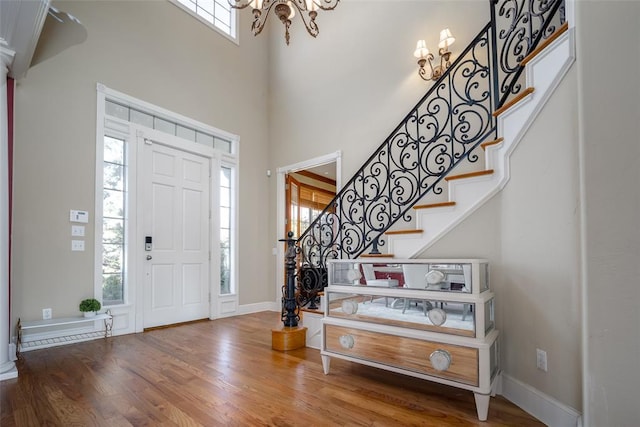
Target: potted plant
90	307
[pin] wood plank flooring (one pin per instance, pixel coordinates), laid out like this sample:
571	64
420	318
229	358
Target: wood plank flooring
224	373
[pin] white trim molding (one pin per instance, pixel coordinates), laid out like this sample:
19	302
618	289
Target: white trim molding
545	408
21	22
258	307
7	366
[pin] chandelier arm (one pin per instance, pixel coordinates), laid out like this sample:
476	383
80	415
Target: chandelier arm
326	4
309	20
258	24
260	16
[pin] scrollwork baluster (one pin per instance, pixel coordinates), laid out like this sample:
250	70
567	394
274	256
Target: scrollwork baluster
442	130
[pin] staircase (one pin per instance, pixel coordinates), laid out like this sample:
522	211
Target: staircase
451	152
467	192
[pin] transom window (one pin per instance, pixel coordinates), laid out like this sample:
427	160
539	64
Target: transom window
215	13
166	125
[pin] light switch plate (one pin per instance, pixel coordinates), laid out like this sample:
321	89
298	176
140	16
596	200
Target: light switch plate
77	245
77	230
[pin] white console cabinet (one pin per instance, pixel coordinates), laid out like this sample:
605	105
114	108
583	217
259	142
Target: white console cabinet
427	318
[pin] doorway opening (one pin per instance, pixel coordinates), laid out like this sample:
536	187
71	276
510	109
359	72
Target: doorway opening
303	190
307	194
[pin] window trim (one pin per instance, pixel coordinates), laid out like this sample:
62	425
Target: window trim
234	37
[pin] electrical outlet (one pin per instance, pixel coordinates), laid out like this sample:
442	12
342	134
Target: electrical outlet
541	359
46	313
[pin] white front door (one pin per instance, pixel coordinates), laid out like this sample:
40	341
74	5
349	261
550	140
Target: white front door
176	204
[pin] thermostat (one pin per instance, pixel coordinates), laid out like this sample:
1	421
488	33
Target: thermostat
79	216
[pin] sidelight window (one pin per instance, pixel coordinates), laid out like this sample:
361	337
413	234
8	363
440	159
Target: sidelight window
113	220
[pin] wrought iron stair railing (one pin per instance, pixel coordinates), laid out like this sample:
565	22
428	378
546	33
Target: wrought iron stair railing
444	128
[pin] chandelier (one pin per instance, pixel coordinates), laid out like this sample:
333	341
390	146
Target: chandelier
285	10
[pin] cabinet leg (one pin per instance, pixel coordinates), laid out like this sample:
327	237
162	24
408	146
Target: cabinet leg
482	405
326	361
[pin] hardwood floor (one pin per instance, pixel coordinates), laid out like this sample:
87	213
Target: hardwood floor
224	373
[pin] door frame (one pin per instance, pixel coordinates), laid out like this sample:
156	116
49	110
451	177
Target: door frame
281	202
151	136
127	316
290	181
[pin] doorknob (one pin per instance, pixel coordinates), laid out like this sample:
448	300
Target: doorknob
149	257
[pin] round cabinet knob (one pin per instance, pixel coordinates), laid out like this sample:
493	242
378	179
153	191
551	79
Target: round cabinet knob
437	316
434	276
353	275
440	360
347	341
349	307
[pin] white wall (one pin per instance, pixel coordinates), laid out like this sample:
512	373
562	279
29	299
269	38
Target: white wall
610	147
539	287
352	85
530	233
155	52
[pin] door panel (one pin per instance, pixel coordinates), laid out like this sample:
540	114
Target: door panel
176	215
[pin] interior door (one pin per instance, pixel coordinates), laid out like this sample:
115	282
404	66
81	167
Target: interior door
176	220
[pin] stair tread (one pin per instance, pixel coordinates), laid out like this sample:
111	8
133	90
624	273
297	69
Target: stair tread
469	175
484	145
434	205
564	27
519	97
408	231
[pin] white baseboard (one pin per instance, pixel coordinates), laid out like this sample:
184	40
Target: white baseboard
257	307
8	371
545	408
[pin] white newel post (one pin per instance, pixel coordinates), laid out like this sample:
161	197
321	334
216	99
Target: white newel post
7	367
